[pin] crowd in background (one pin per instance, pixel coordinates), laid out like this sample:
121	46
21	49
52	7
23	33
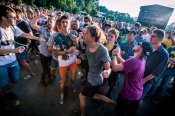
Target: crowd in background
59	39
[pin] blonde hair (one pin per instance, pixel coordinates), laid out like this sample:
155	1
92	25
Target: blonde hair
114	31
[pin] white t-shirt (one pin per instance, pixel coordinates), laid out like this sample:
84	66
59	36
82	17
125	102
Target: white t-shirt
43	20
146	37
6	41
72	58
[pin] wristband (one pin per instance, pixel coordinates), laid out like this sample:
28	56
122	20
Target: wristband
66	51
114	55
38	38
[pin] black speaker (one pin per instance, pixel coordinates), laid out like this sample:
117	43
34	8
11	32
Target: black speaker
154	15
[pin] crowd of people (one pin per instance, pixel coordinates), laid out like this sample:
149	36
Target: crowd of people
102	49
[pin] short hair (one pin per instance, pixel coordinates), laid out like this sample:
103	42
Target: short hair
137	24
18	10
153	27
160	33
114	31
88	17
5	10
65	16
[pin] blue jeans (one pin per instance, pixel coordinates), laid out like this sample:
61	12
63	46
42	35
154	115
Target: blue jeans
163	84
146	89
9	72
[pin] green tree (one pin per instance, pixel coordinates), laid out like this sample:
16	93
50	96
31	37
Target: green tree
93	12
80	4
19	1
75	10
88	6
70	5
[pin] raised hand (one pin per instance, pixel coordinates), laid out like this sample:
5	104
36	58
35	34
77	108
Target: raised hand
20	49
116	51
71	49
76	52
73	38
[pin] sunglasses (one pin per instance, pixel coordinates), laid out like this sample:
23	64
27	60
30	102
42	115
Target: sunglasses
11	17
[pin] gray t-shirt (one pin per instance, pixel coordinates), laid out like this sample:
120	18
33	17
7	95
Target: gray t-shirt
96	61
50	42
45	34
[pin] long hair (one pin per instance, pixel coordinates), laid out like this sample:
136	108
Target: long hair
58	21
97	33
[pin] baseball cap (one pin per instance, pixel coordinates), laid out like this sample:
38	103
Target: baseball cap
132	31
51	14
147	48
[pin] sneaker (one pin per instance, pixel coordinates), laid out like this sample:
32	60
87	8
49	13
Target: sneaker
155	100
36	62
43	83
11	95
73	88
62	99
28	77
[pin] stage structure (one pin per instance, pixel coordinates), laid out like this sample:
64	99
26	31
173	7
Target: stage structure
155	15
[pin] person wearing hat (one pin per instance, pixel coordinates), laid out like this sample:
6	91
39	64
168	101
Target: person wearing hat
134	69
51	14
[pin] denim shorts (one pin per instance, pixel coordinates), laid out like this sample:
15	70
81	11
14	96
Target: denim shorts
23	55
54	64
9	72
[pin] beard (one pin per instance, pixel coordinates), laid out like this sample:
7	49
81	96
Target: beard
48	27
134	50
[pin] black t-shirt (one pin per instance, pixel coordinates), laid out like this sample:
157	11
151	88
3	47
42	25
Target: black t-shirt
25	28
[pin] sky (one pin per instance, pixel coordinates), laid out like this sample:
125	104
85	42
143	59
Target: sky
133	6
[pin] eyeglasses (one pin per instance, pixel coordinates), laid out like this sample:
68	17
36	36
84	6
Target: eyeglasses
140	43
9	17
152	36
